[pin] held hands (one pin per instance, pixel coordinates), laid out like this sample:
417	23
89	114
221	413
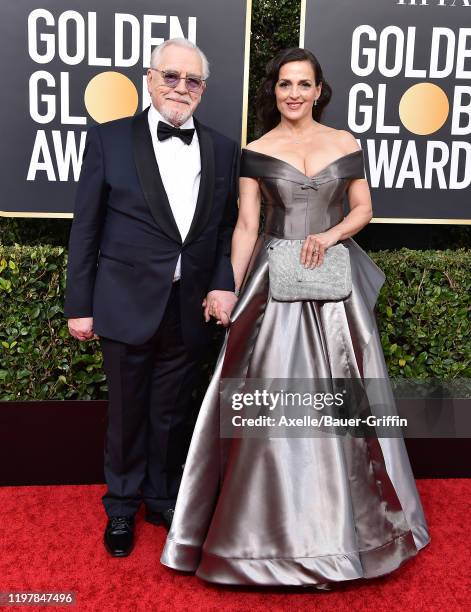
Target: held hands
219	305
82	328
314	248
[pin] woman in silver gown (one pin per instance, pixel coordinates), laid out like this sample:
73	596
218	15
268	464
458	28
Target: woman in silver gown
297	510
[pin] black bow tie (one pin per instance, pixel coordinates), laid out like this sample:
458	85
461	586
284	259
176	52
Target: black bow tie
164	131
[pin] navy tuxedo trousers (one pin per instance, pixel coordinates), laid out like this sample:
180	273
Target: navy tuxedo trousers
150	416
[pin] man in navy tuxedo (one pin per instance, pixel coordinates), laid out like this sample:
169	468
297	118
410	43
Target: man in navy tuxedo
150	247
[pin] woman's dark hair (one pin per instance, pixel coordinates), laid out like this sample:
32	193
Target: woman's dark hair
267	113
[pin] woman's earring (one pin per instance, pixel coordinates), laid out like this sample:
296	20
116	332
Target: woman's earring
315	102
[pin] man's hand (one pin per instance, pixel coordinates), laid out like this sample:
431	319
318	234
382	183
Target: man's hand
219	304
82	328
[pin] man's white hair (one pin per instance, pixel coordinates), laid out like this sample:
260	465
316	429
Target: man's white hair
179	42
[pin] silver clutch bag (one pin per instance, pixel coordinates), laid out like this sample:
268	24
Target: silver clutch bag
290	281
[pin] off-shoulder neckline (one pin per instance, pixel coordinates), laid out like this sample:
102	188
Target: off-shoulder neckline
282	161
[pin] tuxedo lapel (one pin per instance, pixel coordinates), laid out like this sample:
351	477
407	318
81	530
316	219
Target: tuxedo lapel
150	179
206	190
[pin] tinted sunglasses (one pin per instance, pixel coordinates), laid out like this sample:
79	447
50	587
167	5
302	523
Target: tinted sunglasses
171	78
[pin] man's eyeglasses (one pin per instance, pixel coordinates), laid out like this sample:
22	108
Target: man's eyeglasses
171	78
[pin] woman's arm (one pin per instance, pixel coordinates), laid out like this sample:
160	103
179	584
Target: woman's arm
359	200
360	214
246	229
243	241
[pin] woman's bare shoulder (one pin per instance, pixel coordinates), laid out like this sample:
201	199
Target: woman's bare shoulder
345	140
262	144
252	146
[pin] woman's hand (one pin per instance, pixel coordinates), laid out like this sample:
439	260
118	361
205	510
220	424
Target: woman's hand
219	305
315	246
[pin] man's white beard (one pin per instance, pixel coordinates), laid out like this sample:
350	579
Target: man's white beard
176	118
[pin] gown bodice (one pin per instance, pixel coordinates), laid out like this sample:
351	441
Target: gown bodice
295	204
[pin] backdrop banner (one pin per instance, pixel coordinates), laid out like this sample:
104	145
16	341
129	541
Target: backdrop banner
63	70
400	71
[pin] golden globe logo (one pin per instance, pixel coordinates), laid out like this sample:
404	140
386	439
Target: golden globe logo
423	109
71	38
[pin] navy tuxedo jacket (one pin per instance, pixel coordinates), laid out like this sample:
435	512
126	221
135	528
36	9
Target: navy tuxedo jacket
124	242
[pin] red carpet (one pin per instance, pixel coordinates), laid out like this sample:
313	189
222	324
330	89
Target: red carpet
51	539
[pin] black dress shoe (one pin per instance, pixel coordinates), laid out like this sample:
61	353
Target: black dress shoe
159	518
119	535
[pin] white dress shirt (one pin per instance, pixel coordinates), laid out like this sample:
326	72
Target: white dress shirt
180	169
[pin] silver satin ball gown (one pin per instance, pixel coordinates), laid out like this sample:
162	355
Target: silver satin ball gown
308	510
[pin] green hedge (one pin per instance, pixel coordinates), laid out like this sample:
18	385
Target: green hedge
424	313
38	359
423	316
275	26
